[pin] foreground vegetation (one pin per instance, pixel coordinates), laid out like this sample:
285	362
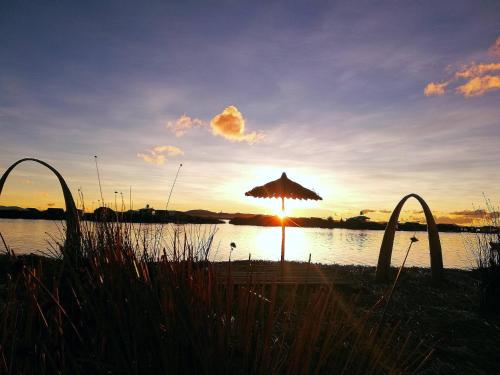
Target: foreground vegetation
133	302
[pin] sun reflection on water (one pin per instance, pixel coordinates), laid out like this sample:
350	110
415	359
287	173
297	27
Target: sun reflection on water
268	244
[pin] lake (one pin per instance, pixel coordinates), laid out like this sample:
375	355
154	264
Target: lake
328	246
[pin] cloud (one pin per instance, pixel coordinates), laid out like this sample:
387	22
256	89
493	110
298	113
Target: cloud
479	78
450	220
230	124
495	48
158	155
435	88
474	70
469	217
479	85
367	211
459	220
475	214
152	158
27	181
183	124
169	150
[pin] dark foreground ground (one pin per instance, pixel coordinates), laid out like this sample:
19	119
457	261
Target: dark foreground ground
444	315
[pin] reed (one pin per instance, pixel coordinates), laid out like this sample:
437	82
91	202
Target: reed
145	299
486	253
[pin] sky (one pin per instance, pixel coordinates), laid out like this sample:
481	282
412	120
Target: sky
362	101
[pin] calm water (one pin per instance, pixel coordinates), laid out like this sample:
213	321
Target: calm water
342	246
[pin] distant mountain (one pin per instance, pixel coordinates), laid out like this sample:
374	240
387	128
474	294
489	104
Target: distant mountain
316	222
11	208
218	215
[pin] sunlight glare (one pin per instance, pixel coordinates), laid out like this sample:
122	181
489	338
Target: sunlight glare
281	214
268	243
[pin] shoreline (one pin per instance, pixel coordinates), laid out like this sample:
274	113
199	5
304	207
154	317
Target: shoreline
375	226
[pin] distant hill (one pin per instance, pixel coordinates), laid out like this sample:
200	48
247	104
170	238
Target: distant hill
218	215
316	222
209	217
305	222
14	212
11	208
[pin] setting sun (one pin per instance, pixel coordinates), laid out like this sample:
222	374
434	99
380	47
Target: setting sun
281	214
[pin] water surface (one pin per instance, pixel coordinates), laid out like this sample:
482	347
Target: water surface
329	246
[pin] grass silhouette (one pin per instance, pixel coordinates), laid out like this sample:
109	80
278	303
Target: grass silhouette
136	303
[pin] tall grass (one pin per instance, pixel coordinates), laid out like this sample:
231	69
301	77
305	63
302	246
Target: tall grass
484	248
146	299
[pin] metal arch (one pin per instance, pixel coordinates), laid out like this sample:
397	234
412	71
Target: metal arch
72	221
384	258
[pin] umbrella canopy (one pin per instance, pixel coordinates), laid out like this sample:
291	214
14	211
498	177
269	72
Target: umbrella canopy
283	188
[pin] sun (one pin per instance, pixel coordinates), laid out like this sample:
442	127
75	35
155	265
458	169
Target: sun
280	213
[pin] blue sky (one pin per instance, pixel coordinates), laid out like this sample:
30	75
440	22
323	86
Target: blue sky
334	89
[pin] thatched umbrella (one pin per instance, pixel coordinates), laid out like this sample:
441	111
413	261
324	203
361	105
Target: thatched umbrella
283	188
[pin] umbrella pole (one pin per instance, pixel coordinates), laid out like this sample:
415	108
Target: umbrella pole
282	230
